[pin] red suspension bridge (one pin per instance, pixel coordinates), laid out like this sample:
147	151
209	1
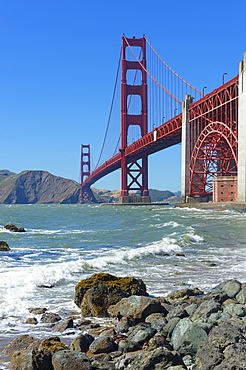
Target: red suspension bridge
160	109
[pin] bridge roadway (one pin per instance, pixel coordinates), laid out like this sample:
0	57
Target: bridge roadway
164	136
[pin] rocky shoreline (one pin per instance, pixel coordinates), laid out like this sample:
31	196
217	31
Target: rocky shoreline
185	330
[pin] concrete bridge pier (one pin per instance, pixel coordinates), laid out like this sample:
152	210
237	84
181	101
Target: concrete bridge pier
242	131
186	149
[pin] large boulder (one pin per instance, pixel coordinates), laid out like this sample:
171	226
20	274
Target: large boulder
224	347
159	358
69	360
95	294
14	228
20	343
135	307
187	336
31	359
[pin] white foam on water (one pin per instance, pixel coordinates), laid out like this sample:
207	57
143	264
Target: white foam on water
124	255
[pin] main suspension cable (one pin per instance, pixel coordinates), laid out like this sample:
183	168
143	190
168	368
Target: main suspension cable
176	74
111	108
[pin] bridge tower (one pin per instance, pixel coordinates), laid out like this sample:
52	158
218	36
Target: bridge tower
134	170
242	131
86	194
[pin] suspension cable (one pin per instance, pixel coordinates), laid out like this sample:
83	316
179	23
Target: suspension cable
176	74
111	108
157	83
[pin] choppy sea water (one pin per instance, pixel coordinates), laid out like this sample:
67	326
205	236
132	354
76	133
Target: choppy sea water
66	243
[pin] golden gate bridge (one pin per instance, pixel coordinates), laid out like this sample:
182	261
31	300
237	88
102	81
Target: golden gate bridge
159	109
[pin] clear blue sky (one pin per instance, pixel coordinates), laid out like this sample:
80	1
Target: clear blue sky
58	62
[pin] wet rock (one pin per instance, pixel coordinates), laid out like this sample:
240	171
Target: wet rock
65	324
81	343
50	317
224	347
52	344
20	343
136	307
96	301
159	358
14	228
32	321
4	246
102	345
118	287
69	360
31	360
37	311
187	336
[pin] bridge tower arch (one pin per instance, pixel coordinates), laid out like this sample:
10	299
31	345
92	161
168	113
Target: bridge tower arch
134	170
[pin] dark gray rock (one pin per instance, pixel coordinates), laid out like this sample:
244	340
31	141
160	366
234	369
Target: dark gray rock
4	246
37	311
178	311
102	345
224	347
50	317
14	228
32	321
63	325
81	343
160	358
127	345
205	309
169	327
69	360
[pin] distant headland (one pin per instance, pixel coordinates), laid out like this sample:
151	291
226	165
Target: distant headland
41	187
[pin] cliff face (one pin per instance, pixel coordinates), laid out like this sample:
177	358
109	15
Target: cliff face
30	187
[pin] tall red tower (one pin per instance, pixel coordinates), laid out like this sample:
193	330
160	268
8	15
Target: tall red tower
86	194
134	170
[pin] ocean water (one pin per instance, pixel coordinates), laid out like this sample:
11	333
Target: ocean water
64	244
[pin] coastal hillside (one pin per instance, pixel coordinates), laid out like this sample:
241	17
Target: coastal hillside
30	187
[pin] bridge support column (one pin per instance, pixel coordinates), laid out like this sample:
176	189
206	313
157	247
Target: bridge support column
242	131
134	171
86	195
186	148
